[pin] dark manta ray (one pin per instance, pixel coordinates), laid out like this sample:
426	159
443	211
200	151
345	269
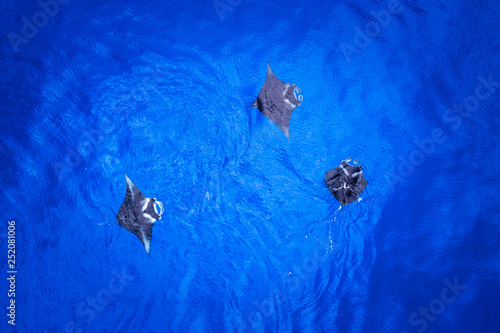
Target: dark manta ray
346	182
138	213
277	100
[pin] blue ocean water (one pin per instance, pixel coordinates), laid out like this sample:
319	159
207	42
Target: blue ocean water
251	240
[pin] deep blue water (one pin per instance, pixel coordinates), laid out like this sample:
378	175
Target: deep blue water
251	240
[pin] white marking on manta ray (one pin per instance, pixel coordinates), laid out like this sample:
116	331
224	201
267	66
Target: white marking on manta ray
343	169
286	89
145	203
341	187
357	173
148	218
288	102
147	242
130	186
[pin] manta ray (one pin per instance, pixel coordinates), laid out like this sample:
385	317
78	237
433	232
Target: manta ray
346	182
276	100
138	213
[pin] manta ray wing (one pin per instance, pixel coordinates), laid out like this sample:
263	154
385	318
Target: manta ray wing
138	213
276	101
346	182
